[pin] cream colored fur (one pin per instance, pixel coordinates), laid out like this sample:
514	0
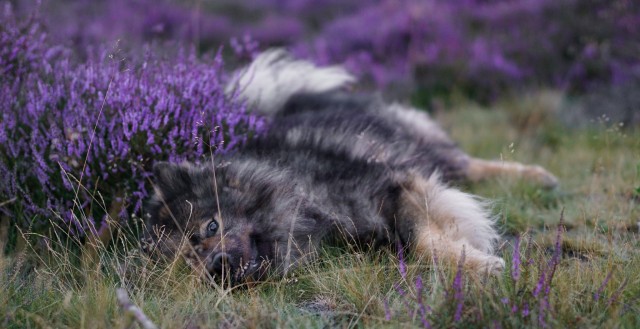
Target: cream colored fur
448	222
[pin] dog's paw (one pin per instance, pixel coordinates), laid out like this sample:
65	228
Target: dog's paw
541	176
493	265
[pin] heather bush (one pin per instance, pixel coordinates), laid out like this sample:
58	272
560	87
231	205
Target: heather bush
479	48
78	138
484	48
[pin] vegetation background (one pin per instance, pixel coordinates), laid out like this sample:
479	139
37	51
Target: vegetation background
93	92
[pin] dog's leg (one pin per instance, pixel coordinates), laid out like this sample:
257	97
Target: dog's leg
441	222
421	128
479	169
433	242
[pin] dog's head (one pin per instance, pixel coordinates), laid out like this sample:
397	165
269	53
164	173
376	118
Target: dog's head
228	223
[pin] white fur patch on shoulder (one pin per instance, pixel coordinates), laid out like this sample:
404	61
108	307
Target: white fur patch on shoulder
461	215
273	77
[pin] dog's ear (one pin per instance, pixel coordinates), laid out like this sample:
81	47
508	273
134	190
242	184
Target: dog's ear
172	179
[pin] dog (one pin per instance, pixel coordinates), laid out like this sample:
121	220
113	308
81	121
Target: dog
334	165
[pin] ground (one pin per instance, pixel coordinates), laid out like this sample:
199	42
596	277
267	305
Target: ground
576	263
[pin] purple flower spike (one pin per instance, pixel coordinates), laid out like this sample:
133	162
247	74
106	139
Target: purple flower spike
516	262
387	310
525	310
421	307
457	287
596	295
402	266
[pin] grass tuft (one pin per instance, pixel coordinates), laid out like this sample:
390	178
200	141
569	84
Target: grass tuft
579	269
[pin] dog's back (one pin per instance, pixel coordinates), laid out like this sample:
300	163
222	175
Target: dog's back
366	128
308	107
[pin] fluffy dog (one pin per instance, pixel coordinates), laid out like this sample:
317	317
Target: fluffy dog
333	165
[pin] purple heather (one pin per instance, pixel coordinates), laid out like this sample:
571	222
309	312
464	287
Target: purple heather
77	134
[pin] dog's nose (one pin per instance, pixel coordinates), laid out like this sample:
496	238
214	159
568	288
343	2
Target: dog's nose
220	262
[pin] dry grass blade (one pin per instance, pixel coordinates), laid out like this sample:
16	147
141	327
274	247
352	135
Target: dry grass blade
134	311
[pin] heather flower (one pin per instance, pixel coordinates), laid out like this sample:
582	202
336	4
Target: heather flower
525	310
402	266
421	307
482	48
245	47
80	137
596	295
458	289
557	253
404	298
616	294
516	262
387	310
543	287
542	310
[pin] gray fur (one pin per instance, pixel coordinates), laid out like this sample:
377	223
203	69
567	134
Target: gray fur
333	166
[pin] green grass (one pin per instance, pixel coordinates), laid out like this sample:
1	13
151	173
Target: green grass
65	285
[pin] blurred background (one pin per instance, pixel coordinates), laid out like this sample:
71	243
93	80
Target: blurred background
429	50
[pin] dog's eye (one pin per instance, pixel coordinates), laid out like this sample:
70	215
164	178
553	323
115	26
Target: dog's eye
212	228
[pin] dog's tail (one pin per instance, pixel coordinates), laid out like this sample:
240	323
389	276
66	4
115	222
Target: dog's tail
274	76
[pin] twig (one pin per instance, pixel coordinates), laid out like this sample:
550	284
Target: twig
10	201
133	310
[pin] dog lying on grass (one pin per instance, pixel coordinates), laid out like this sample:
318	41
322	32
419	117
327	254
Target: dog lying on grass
333	165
